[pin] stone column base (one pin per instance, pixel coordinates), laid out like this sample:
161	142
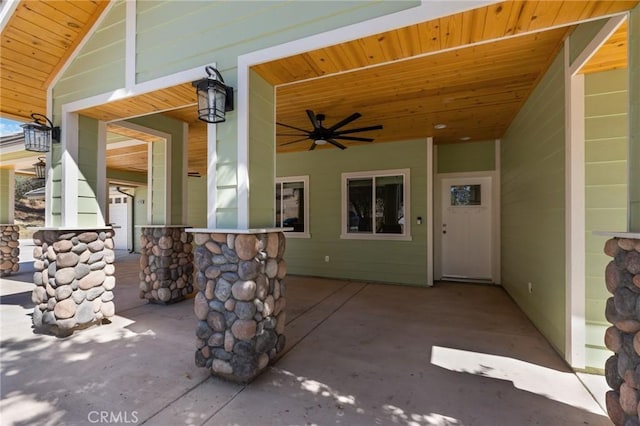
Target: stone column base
74	278
9	249
241	302
166	264
622	277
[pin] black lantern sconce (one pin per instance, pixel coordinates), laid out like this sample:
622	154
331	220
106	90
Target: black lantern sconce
214	97
38	135
40	168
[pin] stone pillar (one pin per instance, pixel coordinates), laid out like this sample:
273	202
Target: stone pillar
74	278
622	370
240	304
9	249
166	263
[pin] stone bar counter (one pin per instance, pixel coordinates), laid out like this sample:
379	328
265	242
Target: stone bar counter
9	249
166	263
74	278
622	370
240	304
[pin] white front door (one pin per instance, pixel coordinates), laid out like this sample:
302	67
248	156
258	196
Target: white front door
467	234
119	219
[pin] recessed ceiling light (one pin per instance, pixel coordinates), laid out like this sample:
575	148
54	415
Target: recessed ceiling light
440	126
465	138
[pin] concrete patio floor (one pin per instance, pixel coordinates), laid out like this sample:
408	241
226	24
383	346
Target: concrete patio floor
357	354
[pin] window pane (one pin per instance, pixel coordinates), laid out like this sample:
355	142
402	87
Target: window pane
466	195
359	205
293	205
389	205
278	205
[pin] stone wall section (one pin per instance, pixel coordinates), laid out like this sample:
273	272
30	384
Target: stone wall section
622	370
240	304
166	264
9	249
74	278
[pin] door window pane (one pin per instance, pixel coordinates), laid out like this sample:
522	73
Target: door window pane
465	195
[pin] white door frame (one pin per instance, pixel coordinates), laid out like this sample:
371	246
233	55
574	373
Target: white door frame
495	219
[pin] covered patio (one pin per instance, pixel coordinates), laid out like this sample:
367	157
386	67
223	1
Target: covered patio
453	354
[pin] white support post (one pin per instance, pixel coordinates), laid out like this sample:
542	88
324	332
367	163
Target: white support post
70	172
212	160
185	173
575	299
102	186
243	148
429	218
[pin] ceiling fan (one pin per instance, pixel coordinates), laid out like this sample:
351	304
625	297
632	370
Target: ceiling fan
320	135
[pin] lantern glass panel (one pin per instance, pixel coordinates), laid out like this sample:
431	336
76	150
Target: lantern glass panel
211	101
37	138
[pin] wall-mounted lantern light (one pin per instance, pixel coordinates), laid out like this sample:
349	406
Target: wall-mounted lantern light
38	135
40	168
214	97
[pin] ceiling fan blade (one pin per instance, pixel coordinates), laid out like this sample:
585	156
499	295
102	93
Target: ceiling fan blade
313	146
291	127
353	138
336	143
360	129
312	118
297	140
346	121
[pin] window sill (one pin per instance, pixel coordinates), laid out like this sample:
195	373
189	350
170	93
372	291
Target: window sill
297	235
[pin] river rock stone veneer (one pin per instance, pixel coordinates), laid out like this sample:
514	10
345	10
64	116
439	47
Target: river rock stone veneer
166	264
622	370
9	249
240	304
74	278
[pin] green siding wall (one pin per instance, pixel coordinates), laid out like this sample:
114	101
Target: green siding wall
402	262
6	205
582	36
197	196
178	174
262	144
99	66
606	192
532	206
226	173
466	157
88	207
173	36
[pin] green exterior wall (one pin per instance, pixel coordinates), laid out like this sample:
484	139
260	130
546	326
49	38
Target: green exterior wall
466	157
262	144
88	207
6	205
533	206
582	36
226	173
398	262
173	36
178	174
606	192
197	196
99	66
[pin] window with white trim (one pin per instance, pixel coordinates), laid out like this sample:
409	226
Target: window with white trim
292	205
375	204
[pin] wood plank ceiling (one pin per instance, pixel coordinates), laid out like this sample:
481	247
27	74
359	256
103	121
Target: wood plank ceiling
471	71
36	42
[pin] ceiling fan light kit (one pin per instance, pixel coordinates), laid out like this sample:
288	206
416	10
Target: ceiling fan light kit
321	135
